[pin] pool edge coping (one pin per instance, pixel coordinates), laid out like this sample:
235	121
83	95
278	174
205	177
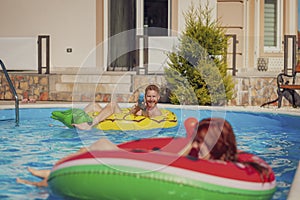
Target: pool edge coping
294	192
272	110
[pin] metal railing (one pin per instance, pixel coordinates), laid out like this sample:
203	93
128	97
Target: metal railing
12	88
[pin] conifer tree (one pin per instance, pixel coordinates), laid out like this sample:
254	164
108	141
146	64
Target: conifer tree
197	71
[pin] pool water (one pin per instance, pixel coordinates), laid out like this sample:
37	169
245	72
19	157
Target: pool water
39	141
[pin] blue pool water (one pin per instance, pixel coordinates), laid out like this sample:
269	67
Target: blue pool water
39	141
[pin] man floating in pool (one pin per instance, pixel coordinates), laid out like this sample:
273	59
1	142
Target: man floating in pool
148	109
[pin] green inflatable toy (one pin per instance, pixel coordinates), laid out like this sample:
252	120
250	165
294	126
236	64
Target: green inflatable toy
71	116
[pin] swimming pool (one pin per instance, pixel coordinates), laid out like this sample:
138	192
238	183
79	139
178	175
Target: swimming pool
39	141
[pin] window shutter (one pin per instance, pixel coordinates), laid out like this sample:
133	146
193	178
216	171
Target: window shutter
270	23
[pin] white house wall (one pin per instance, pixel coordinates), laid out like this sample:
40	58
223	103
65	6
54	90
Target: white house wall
18	53
158	49
184	6
70	24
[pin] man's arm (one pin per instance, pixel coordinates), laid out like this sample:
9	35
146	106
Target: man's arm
135	109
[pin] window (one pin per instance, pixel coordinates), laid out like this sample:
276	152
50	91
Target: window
156	17
121	32
271	25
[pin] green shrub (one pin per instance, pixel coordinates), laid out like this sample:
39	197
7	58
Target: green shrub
197	72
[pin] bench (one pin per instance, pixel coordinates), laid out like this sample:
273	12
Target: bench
287	89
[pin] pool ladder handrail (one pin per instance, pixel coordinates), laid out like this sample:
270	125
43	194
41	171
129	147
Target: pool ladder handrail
12	88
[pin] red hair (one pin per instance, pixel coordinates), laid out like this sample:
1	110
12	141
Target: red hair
217	134
152	87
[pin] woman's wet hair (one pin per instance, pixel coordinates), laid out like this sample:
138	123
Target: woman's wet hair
218	136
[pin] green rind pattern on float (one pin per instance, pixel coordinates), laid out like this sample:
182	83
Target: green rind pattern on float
123	182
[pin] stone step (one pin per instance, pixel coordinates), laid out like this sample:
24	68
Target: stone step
89	84
70	96
104	78
93	88
88	71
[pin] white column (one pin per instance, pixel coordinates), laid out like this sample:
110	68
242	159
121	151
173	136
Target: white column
256	30
105	34
292	17
140	17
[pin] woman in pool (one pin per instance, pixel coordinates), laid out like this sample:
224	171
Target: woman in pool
214	140
151	110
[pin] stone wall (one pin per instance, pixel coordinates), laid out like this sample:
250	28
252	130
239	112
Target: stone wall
42	87
27	86
254	91
249	91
